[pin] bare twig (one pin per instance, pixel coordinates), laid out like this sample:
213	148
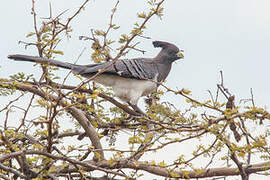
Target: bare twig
13	171
25	113
252	97
76	113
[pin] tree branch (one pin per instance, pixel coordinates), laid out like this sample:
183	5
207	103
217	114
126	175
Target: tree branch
211	172
76	113
12	170
139	165
89	91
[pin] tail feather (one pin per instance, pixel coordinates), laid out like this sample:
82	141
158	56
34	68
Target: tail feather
40	60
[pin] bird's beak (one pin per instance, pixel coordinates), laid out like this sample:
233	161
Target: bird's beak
180	54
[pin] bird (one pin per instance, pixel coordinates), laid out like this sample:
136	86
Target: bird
129	79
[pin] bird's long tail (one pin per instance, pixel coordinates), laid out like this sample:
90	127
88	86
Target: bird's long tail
36	59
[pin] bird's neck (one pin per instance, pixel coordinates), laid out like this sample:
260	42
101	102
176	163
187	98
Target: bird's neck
163	58
165	68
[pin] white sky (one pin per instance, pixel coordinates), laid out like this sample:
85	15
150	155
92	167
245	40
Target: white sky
231	35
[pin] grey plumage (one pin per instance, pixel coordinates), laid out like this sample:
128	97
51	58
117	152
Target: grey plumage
128	78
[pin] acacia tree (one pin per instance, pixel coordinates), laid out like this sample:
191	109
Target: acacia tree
37	147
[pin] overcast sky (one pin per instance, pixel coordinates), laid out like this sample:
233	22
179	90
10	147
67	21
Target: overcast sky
228	35
231	35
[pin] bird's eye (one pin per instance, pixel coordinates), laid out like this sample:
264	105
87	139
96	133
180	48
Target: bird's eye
172	53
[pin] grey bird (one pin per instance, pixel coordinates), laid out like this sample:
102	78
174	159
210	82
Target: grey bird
129	78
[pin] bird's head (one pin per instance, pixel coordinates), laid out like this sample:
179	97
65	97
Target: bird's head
169	51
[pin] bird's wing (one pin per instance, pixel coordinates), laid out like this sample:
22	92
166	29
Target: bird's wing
130	68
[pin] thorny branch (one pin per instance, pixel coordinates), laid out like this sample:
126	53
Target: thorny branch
91	165
76	113
23	87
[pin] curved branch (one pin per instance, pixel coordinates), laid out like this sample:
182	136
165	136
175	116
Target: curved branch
124	163
104	96
76	113
156	170
86	165
211	172
11	170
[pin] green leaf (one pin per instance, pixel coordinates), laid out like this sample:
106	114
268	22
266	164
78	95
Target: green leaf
30	34
142	15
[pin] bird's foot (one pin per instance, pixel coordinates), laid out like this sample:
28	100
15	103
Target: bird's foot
136	109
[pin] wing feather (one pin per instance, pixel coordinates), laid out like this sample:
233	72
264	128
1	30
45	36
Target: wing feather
132	68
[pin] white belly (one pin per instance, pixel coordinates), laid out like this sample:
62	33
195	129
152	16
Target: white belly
128	90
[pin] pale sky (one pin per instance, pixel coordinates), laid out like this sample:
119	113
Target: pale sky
231	35
228	35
